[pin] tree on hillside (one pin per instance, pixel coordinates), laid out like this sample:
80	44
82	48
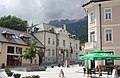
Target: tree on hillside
83	39
30	52
13	22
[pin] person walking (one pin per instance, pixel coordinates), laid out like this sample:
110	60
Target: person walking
61	75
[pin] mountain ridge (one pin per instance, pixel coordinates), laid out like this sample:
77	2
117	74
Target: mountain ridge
76	26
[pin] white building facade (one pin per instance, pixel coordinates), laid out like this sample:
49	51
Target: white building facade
59	44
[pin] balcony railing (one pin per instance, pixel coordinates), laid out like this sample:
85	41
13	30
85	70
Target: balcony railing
90	45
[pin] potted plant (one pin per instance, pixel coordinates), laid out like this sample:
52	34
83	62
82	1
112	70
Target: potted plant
8	72
35	76
52	66
17	75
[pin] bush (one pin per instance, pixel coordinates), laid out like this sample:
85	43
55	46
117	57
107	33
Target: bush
17	75
33	76
8	72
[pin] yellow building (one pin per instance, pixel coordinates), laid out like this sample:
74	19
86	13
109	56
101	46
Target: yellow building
12	46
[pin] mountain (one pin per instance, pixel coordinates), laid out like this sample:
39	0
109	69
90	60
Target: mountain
77	27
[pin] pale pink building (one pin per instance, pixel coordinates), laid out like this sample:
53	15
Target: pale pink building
103	26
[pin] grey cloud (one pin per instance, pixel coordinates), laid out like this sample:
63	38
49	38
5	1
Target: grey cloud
43	10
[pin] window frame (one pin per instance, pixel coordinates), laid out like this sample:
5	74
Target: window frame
108	35
92	36
63	42
49	52
48	40
53	42
9	49
18	50
57	41
53	53
107	13
92	16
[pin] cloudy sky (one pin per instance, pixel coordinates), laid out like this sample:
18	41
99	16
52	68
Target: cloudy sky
38	11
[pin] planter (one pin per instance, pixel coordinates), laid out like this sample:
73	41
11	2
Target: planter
33	76
8	72
52	66
17	75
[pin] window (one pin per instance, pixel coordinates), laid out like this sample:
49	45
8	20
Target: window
53	42
18	50
35	61
76	46
108	35
92	16
108	13
92	36
10	49
57	41
48	40
70	45
49	51
53	52
8	36
63	42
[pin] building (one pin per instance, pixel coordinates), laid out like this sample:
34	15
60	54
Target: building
59	44
103	26
12	46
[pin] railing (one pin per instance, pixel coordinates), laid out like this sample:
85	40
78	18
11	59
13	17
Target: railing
90	45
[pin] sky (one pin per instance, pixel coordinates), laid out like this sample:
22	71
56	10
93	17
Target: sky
37	11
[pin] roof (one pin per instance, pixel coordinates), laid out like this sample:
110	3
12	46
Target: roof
16	37
7	32
44	26
93	1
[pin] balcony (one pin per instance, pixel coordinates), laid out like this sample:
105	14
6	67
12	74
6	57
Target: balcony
90	45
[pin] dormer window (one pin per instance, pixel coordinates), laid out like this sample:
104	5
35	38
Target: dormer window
36	29
7	34
25	38
15	37
73	36
51	30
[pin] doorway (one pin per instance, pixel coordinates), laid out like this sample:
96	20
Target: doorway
13	60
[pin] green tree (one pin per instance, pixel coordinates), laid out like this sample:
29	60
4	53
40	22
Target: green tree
13	22
30	52
83	39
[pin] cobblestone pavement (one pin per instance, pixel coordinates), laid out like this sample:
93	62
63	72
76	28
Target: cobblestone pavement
72	72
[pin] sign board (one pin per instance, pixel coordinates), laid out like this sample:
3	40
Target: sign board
114	74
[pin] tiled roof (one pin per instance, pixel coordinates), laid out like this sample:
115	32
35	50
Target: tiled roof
16	37
7	32
46	27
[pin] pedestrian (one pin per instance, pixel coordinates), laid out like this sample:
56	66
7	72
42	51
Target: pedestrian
84	71
97	67
61	75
